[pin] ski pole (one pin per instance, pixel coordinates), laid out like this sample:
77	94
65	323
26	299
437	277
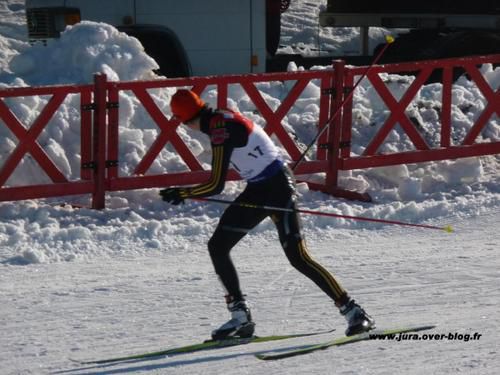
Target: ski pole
446	228
389	39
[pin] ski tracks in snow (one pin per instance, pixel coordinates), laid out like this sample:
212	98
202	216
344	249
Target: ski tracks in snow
124	305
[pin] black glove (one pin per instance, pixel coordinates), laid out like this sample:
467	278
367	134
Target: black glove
172	195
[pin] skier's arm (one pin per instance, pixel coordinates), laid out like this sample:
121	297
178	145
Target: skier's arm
221	154
224	137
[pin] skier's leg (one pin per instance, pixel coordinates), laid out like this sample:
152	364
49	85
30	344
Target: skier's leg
234	224
288	224
295	249
297	253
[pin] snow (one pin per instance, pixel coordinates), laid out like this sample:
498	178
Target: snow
136	276
87	48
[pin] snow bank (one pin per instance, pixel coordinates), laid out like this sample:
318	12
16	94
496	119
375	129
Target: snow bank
82	50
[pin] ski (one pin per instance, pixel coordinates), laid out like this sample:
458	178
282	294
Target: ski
206	345
377	334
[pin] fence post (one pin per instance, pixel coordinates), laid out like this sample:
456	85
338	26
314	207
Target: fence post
342	97
335	125
99	141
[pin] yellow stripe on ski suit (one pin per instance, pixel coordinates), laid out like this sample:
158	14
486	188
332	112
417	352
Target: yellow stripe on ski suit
338	291
216	176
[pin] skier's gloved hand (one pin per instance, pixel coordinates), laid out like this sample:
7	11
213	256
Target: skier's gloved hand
172	195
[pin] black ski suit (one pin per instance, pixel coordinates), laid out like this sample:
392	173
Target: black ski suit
274	186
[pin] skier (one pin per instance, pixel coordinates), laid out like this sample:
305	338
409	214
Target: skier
236	141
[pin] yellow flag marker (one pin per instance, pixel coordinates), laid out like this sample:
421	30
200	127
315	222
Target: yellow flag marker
389	39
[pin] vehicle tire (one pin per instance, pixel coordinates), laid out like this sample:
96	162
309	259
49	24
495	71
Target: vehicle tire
164	47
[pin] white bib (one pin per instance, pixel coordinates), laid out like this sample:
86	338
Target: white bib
259	152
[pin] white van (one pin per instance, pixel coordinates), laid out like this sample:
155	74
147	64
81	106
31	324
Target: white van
185	37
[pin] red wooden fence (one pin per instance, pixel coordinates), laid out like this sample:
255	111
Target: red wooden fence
100	135
446	149
27	143
198	84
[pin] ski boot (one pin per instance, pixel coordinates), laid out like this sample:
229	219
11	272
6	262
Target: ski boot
240	325
358	321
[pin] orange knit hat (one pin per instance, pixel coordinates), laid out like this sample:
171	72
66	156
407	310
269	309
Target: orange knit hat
186	105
